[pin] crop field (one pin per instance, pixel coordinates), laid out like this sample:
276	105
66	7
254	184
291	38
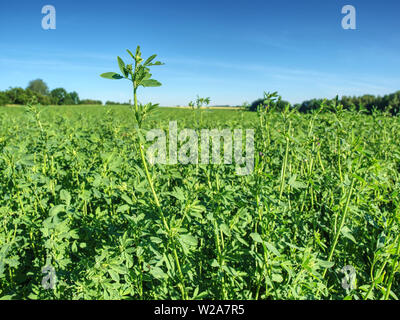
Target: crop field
323	198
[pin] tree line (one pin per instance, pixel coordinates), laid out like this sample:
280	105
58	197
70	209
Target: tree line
389	103
38	90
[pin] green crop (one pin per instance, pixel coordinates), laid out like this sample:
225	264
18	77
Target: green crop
198	104
139	74
77	194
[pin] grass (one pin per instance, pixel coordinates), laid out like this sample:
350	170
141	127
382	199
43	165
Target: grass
324	194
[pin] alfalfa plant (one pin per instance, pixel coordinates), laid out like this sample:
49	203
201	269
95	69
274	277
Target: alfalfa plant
139	74
198	104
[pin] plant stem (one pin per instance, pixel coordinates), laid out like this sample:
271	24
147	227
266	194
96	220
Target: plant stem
150	181
394	267
284	165
335	241
135	99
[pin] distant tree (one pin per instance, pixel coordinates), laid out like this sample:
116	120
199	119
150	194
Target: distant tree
279	104
108	103
310	105
59	95
38	86
90	101
68	100
18	95
74	97
4	99
45	100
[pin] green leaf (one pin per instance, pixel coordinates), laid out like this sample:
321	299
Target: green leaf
138	53
150	59
56	210
122	67
157	273
189	239
178	193
150	83
157	63
127	199
111	75
256	237
215	264
296	184
276	277
272	248
66	197
346	232
131	54
119	269
123	208
225	229
155	240
326	264
381	241
114	275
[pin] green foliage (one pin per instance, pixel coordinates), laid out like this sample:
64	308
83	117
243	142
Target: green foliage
73	98
90	102
39	86
277	104
59	95
117	103
4	98
74	193
199	102
138	73
367	103
37	90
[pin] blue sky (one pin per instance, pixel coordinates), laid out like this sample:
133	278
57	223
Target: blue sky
231	51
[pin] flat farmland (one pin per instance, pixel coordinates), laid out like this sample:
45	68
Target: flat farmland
322	200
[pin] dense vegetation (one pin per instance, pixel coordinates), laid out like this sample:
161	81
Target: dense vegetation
389	103
38	91
324	194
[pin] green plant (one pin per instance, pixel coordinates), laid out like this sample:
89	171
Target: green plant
139	75
324	194
199	103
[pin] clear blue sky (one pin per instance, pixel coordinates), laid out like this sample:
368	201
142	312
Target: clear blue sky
229	50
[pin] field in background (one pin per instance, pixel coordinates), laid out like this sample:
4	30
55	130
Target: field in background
324	194
124	112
